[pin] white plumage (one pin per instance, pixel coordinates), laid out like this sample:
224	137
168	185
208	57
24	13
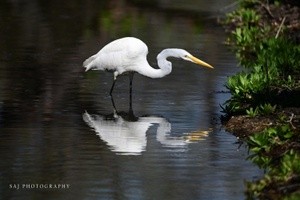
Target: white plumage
129	54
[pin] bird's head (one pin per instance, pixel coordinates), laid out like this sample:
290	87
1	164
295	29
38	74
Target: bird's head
189	57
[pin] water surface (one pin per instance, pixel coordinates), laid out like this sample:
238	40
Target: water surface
58	124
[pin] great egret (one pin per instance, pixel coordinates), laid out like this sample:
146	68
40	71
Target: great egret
129	54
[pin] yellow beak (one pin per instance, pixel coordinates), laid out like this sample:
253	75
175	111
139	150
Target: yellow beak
199	62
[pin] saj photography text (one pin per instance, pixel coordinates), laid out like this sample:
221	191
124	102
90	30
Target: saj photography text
31	186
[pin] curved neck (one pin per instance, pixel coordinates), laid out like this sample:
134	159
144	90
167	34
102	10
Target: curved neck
165	66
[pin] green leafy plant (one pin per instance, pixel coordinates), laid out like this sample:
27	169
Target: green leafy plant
249	89
270	137
279	177
281	54
290	164
271	62
271	70
267	109
261	83
252	112
260	160
264	109
261	142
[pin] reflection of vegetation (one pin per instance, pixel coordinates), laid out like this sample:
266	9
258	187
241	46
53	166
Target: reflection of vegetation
270	53
120	23
152	3
142	19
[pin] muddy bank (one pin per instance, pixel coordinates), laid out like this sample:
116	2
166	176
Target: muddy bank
243	126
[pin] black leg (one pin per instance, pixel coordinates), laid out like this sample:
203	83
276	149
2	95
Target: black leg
113	103
130	79
132	117
112	87
130	89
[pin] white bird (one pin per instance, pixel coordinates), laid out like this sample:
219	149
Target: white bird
129	54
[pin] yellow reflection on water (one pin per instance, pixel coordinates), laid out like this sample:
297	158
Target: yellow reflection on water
196	136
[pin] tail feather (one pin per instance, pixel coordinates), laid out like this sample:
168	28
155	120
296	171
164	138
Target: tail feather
87	64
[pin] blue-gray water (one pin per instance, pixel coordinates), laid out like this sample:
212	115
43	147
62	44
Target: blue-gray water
58	124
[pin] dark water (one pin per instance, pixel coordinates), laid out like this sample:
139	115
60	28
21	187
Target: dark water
58	124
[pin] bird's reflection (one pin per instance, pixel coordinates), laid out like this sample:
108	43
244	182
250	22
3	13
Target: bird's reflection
125	133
